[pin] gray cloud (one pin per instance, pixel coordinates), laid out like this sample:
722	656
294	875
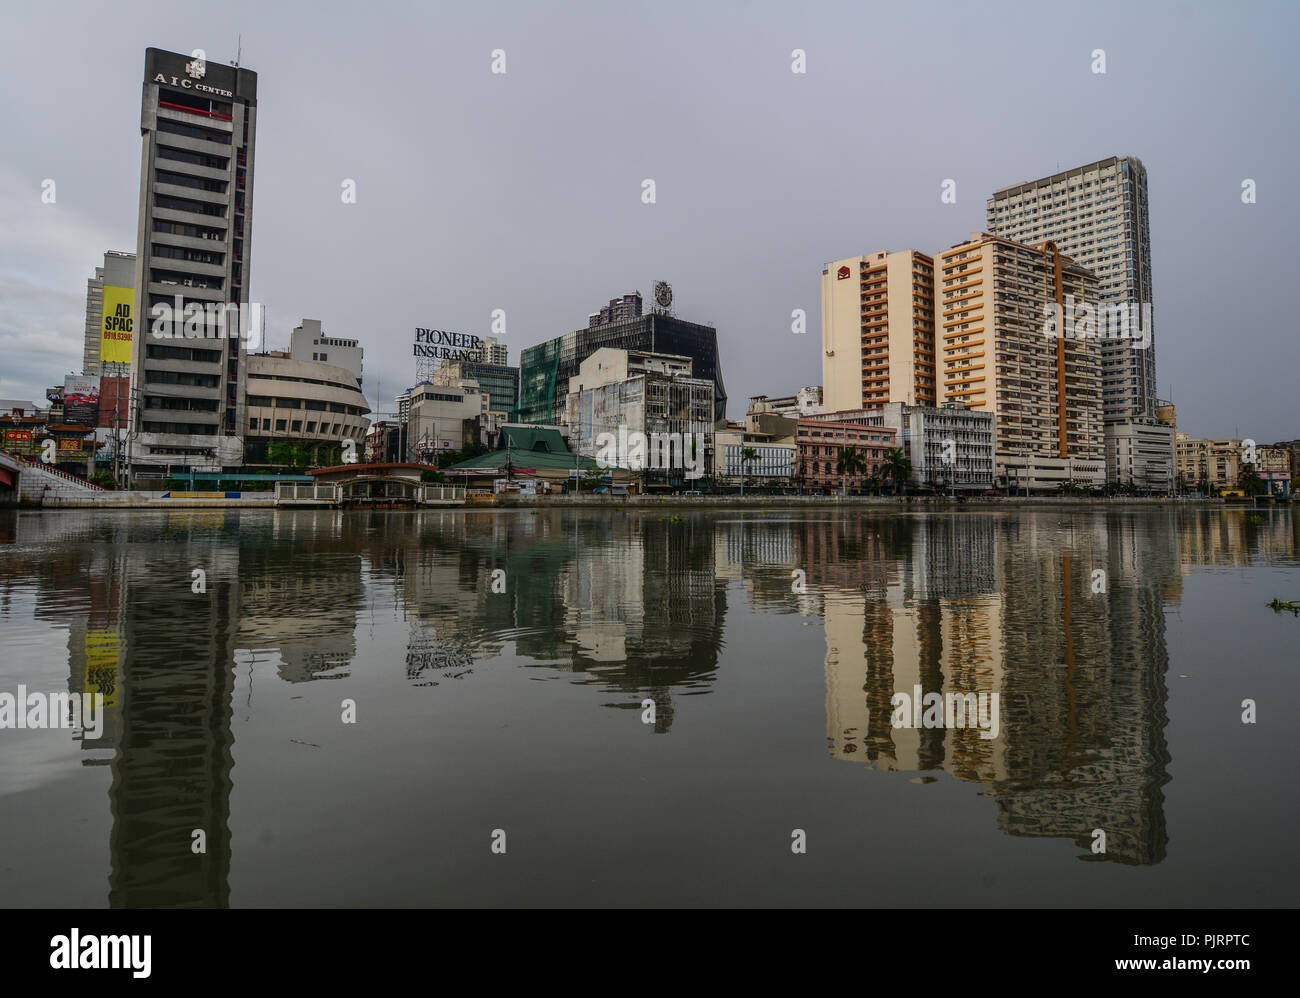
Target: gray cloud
522	191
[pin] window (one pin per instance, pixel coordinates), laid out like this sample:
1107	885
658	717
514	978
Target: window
193	131
279	425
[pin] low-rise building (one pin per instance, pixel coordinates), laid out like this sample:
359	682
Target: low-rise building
1273	465
442	418
311	405
384	442
820	437
807	401
1141	453
949	446
530	452
1204	464
1191	462
771	459
620	393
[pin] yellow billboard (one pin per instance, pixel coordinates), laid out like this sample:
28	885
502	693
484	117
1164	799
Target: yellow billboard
116	325
103	652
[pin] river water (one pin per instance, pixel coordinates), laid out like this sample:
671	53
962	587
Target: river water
622	707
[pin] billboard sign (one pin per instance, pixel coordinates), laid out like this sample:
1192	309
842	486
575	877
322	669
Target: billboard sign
18	441
80	400
442	345
116	325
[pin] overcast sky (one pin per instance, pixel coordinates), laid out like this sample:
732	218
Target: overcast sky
522	191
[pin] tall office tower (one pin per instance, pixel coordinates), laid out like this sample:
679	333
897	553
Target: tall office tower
995	297
878	338
198	120
1097	215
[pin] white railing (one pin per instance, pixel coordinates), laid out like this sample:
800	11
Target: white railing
293	491
442	493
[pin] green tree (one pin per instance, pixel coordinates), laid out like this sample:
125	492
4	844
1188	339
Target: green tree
849	463
1249	481
897	467
747	455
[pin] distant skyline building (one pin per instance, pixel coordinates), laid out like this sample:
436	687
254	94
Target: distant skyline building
1097	215
618	309
493	351
198	122
545	369
878	331
499	382
805	402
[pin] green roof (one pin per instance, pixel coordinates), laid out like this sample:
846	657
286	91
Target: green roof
542	439
525	459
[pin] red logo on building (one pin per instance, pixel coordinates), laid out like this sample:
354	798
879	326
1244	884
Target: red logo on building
842	273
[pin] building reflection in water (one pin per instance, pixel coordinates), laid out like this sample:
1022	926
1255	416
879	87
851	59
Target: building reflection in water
1001	604
634	604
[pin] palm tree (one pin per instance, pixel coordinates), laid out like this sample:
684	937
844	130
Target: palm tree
1249	481
898	467
849	462
747	455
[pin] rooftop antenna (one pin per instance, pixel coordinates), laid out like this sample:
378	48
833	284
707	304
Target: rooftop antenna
239	51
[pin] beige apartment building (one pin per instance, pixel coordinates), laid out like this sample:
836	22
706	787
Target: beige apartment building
997	354
878	332
1209	462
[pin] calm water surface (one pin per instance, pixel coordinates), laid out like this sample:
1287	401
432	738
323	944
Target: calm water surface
523	710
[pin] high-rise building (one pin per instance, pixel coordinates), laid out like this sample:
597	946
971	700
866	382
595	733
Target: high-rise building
1044	391
618	309
1097	215
487	365
878	331
491	351
545	369
107	348
198	121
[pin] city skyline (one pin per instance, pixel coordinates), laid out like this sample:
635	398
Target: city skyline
750	195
